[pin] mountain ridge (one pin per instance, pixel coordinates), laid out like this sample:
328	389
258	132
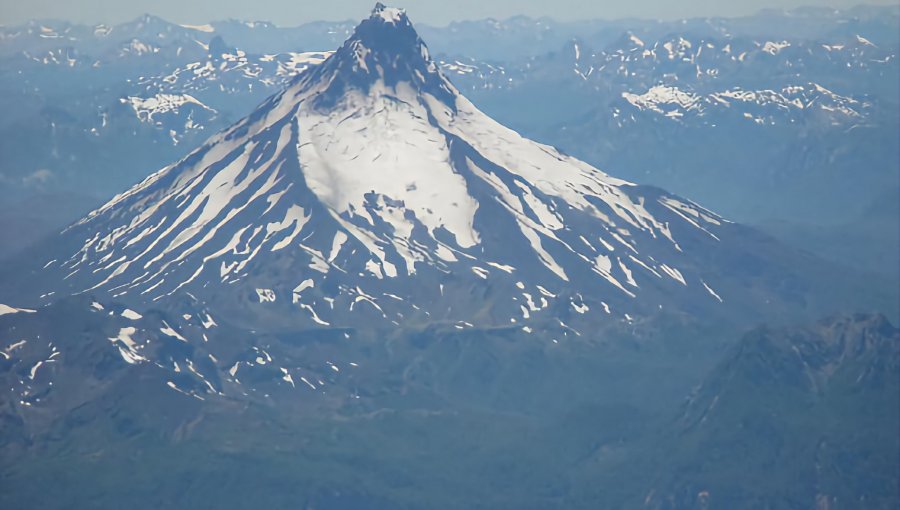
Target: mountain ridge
815	404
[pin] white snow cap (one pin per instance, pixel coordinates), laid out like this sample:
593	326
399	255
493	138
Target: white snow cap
388	14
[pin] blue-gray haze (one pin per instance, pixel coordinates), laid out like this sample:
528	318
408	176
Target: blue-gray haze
293	12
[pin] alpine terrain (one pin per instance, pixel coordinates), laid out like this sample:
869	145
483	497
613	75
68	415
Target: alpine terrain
364	262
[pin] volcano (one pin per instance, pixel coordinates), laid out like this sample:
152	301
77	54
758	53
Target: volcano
372	190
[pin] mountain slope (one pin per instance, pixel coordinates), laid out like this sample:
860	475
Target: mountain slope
794	418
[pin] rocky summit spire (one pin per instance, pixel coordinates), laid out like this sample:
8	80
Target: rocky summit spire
386	49
389	14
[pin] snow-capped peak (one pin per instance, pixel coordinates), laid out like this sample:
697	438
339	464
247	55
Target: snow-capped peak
390	15
384	48
371	173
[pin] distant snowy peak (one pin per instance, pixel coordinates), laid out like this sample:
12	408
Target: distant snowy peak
760	106
177	114
148	108
200	28
234	72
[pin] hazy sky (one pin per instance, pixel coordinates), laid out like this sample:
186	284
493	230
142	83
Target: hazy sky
436	12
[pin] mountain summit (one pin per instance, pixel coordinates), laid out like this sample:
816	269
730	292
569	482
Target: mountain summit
385	49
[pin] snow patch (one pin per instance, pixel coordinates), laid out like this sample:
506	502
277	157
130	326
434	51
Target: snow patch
131	314
265	295
6	309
